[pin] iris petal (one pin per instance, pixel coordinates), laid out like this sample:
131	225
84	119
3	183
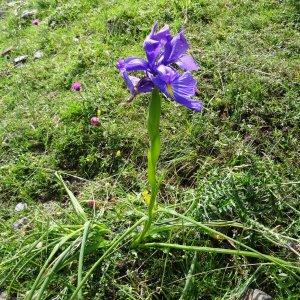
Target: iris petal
187	63
135	64
184	88
185	85
137	85
155	41
161	85
167	74
145	85
152	49
180	88
175	48
193	104
130	81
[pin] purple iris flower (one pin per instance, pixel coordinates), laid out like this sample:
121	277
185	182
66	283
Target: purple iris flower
164	55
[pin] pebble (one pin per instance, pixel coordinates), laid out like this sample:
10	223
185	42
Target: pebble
20	59
3	296
21	206
38	54
20	223
6	51
28	14
256	295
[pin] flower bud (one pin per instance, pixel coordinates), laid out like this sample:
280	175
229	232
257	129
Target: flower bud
76	86
35	22
95	121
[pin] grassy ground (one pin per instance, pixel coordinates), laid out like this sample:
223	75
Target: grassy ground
237	161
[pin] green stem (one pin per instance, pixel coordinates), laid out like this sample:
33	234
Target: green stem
153	155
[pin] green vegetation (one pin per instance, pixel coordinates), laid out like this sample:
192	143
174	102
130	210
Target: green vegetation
228	213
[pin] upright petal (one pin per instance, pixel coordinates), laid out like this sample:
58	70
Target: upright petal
187	63
175	48
152	49
163	35
155	41
184	88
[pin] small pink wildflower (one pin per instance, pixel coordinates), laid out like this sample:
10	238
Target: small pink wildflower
36	22
76	86
95	121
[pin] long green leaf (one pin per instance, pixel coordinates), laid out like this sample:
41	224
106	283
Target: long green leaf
57	262
213	233
47	262
76	205
223	251
81	255
116	241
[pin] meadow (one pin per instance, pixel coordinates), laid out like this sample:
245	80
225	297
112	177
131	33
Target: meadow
227	218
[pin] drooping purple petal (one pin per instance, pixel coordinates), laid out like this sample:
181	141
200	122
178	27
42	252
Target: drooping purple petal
185	85
137	85
187	63
180	88
190	103
175	48
132	64
184	88
130	81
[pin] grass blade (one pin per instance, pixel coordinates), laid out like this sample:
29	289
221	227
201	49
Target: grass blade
55	266
189	278
53	252
76	205
219	250
81	255
213	232
113	245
